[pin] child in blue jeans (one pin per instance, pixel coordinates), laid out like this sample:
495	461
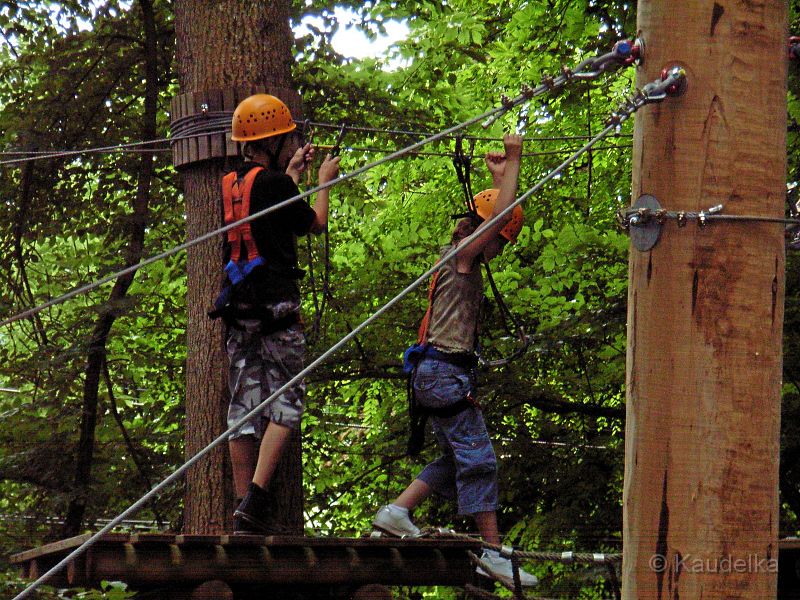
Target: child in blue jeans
444	380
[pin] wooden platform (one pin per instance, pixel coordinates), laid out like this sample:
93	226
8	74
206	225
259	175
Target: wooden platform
153	561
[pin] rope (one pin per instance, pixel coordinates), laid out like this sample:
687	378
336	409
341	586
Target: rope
134	147
568	557
374	150
222	438
558	138
103	149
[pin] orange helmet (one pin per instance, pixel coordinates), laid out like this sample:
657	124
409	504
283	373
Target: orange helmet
260	116
484	205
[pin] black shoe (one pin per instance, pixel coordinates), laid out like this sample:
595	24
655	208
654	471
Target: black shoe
248	518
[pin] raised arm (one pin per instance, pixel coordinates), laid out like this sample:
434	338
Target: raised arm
508	190
328	170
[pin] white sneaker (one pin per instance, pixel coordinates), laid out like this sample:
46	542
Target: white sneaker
497	567
392	520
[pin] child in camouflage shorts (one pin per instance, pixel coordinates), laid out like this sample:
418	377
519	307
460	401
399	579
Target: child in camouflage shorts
261	305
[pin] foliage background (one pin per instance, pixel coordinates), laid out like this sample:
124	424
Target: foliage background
557	415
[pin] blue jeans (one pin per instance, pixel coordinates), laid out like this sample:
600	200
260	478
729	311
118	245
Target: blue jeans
467	471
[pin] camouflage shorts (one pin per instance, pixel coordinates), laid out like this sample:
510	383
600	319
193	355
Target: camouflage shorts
260	365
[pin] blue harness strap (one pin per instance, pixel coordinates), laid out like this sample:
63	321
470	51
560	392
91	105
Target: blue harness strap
237	271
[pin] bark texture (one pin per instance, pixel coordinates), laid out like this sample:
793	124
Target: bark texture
227	45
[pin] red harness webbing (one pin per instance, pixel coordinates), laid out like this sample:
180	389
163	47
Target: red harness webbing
236	201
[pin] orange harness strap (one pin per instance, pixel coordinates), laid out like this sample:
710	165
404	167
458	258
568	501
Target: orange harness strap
236	202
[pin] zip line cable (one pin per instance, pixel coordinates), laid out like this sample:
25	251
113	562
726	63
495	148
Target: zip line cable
24	156
595	67
654	92
558	138
374	150
106	149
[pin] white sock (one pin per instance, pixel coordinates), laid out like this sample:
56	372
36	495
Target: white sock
399	509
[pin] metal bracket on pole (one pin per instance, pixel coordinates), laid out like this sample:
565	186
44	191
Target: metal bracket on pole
644	232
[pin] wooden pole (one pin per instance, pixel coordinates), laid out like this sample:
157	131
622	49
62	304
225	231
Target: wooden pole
705	308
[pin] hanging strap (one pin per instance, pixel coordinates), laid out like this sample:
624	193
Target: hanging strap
236	202
463	167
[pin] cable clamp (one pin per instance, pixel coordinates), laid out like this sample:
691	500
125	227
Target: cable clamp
637	53
624	53
526	91
671	84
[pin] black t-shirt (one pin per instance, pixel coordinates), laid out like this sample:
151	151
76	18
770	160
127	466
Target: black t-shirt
275	235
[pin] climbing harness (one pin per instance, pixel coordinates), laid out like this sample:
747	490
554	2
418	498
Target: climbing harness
236	204
236	192
414	354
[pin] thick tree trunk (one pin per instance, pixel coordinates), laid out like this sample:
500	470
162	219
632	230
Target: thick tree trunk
705	309
136	234
225	45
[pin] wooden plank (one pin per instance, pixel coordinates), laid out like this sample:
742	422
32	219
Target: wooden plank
203	143
791	543
76	571
138	539
193	148
229	102
367	542
165	560
183	539
216	141
183	143
175	114
62	546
